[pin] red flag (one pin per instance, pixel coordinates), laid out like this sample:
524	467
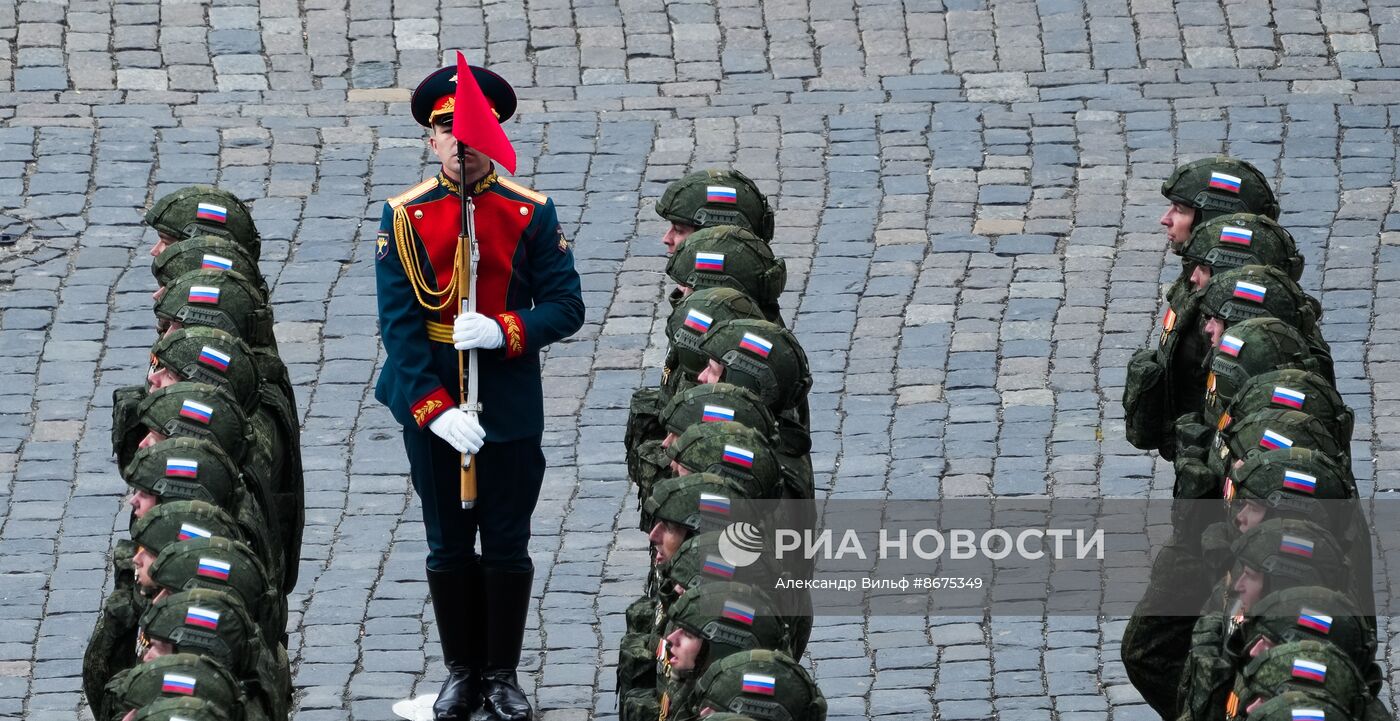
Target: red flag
475	124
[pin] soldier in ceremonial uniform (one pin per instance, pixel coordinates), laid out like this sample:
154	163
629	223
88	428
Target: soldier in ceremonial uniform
528	296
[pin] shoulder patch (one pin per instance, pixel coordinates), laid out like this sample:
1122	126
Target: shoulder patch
413	192
534	195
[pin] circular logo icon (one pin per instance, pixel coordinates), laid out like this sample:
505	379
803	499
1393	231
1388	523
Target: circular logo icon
740	544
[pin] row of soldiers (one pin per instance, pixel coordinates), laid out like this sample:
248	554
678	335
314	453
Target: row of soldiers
195	625
727	424
1260	605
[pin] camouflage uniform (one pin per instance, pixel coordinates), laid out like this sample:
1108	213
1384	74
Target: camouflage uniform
762	684
197	210
183	709
180	675
1291	705
215	624
1220	185
207	252
728	618
1259	291
728	256
1318	670
114	635
222	564
734	451
692	201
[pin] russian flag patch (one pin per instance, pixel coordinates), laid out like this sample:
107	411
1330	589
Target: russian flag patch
714	503
760	684
1309	670
735	611
709	261
216	262
210	211
721	194
737	456
178	684
697	321
716	414
1274	441
716	566
204	294
1309	714
202	618
756	345
1299	481
1289	397
214	358
1296	545
1226	182
1320	622
1235	235
188	531
1230	345
182	468
196	411
213	568
1250	291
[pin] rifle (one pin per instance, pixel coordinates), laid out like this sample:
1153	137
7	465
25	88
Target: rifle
467	254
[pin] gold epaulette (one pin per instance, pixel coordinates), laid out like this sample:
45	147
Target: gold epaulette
413	192
534	195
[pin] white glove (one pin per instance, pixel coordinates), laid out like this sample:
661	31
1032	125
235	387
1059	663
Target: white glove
460	429
474	330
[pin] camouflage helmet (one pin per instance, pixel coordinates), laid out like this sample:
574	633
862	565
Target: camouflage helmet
185	469
1290	552
731	450
1239	239
714	402
1298	390
728	617
209	623
205	210
727	256
1315	668
1250	348
209	355
206	252
1275	428
170	523
1259	291
197	410
1219	186
693	317
184	709
1295	483
699	502
1307	613
762	357
727	716
1294	706
718	196
218	564
177	675
218	299
699	561
764	684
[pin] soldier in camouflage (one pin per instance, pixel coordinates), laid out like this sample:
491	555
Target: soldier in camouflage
202	210
179	675
716	196
727	256
222	564
1318	670
763	684
205	252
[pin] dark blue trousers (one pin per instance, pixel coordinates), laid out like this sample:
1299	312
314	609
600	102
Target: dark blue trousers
508	478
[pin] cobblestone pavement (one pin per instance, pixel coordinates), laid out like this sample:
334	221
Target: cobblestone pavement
967	195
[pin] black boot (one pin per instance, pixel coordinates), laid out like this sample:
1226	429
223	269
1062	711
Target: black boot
457	606
507	595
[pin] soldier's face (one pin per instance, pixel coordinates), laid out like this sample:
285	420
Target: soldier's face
1249	587
668	440
676	235
1177	221
1250	515
713	373
1200	277
163	241
141	501
170	327
152	438
444	146
157	649
683	647
158	294
1213	329
142	563
666	538
679	470
160	377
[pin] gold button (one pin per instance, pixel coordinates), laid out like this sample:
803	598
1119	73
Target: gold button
524	210
418	215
